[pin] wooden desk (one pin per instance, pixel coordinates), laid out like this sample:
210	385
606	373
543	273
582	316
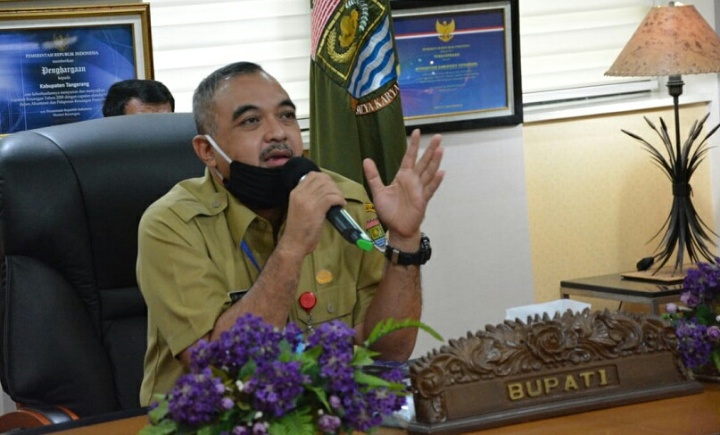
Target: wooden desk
615	287
697	414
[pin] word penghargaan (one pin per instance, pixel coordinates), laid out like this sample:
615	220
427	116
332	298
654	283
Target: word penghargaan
62	70
64	85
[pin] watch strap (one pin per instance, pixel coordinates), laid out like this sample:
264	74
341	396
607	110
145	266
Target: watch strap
417	258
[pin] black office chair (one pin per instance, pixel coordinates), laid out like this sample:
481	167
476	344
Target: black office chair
73	319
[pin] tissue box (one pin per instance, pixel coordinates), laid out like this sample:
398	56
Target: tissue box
552	307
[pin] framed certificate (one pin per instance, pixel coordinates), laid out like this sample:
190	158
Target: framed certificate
56	64
459	63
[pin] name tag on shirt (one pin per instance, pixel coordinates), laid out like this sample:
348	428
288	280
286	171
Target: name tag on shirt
236	295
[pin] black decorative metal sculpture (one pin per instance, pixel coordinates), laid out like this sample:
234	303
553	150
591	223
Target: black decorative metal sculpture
684	229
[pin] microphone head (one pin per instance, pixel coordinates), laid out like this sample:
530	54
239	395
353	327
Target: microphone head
295	168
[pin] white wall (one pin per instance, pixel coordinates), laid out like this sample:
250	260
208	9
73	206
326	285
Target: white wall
477	223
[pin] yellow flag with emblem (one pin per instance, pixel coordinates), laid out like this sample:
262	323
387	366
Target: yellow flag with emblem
355	109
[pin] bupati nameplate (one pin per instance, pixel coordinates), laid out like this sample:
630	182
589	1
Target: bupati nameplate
516	371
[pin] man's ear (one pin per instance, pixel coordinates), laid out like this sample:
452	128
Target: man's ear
204	150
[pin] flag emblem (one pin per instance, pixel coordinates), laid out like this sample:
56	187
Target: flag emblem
353	44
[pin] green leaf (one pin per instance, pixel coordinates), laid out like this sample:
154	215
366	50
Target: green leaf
165	427
373	381
207	430
295	423
320	394
286	352
390	324
247	370
363	356
223	375
247	417
704	314
715	357
370	380
310	356
160	411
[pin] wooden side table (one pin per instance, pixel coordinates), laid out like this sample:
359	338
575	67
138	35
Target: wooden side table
615	287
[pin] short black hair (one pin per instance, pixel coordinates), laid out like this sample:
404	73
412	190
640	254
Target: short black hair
204	95
147	91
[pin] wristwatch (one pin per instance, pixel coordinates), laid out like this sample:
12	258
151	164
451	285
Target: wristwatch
417	258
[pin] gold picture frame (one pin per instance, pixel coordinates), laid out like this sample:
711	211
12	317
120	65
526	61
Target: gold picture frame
58	62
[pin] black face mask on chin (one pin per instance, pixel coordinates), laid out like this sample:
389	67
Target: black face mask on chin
256	187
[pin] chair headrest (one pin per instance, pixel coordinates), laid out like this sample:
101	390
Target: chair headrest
69	187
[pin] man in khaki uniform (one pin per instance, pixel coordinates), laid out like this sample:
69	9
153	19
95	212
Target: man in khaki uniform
236	241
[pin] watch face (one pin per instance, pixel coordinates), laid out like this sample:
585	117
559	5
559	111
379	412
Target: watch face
425	248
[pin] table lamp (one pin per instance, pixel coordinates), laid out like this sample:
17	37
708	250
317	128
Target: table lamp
671	41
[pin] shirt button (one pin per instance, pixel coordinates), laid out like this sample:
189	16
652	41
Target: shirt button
216	204
330	307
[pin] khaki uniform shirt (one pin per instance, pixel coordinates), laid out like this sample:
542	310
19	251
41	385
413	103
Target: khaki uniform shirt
190	263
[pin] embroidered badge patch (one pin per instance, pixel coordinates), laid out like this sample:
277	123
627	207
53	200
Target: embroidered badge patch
373	227
376	232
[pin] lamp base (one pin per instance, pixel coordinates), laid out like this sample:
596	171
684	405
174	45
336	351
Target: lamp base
666	275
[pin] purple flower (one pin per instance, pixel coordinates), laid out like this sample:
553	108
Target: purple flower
690	299
271	373
713	333
250	338
331	334
702	284
259	428
671	308
364	408
201	355
276	386
227	403
328	423
693	345
360	414
195	399
294	336
337	341
697	330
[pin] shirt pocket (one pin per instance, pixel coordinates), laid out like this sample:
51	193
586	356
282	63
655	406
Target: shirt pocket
333	303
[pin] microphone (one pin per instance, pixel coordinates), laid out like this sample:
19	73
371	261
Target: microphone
294	170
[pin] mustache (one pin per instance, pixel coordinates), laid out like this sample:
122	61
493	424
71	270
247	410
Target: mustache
264	154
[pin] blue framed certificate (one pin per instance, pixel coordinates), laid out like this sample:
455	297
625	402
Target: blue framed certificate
459	63
57	64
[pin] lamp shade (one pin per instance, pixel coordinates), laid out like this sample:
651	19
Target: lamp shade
671	40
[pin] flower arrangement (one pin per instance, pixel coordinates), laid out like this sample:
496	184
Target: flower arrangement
256	379
697	324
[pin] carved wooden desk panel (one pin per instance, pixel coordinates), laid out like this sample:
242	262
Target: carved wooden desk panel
546	367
